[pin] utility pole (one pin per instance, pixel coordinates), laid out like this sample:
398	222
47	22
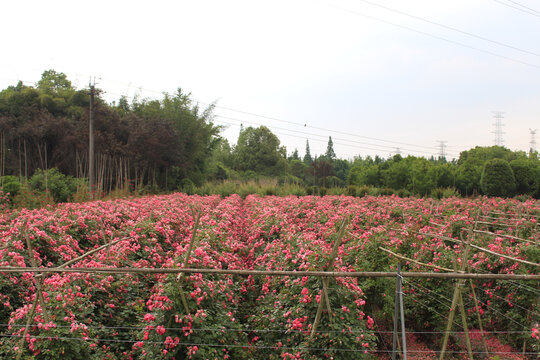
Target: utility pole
91	180
498	128
533	140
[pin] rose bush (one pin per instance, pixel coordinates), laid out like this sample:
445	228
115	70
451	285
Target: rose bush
119	316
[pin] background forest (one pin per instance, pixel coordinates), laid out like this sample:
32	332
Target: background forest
171	144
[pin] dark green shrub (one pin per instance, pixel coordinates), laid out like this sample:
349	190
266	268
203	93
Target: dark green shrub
363	191
188	186
31	199
11	185
498	179
60	186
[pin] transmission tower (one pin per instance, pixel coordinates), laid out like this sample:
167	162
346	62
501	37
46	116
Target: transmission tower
498	128
442	147
533	140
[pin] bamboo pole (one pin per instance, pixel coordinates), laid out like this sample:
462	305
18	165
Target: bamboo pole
327	298
506	236
482	249
328	274
38	297
402	313
26	327
450	322
464	321
455	299
88	254
39	281
180	276
395	341
415	261
34	304
330	264
477	306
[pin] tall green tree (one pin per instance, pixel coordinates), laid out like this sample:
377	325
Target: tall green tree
54	82
308	160
330	155
258	151
322	171
294	155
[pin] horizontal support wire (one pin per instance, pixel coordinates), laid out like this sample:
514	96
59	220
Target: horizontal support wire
253	346
356	274
265	330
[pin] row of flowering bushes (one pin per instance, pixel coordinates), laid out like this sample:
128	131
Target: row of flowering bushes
101	316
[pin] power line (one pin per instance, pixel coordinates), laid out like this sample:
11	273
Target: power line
450	28
522	8
311	139
312	134
434	36
303	125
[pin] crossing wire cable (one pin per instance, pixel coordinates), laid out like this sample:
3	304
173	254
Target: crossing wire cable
275	347
342	331
521	8
489	308
339	140
450	27
434	36
313	139
426	291
304	125
421	303
387	147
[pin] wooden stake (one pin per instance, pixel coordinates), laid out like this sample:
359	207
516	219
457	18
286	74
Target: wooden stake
415	261
464	321
455	299
180	276
477	306
39	281
327	298
450	320
399	294
333	255
482	249
26	327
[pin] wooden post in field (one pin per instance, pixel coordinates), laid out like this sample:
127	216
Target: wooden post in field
180	276
457	300
39	295
398	312
324	292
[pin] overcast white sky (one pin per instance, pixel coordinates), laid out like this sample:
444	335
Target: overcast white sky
342	65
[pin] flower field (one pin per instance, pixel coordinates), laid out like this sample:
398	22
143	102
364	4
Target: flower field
217	316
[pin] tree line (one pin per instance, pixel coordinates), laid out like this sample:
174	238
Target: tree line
155	143
172	144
